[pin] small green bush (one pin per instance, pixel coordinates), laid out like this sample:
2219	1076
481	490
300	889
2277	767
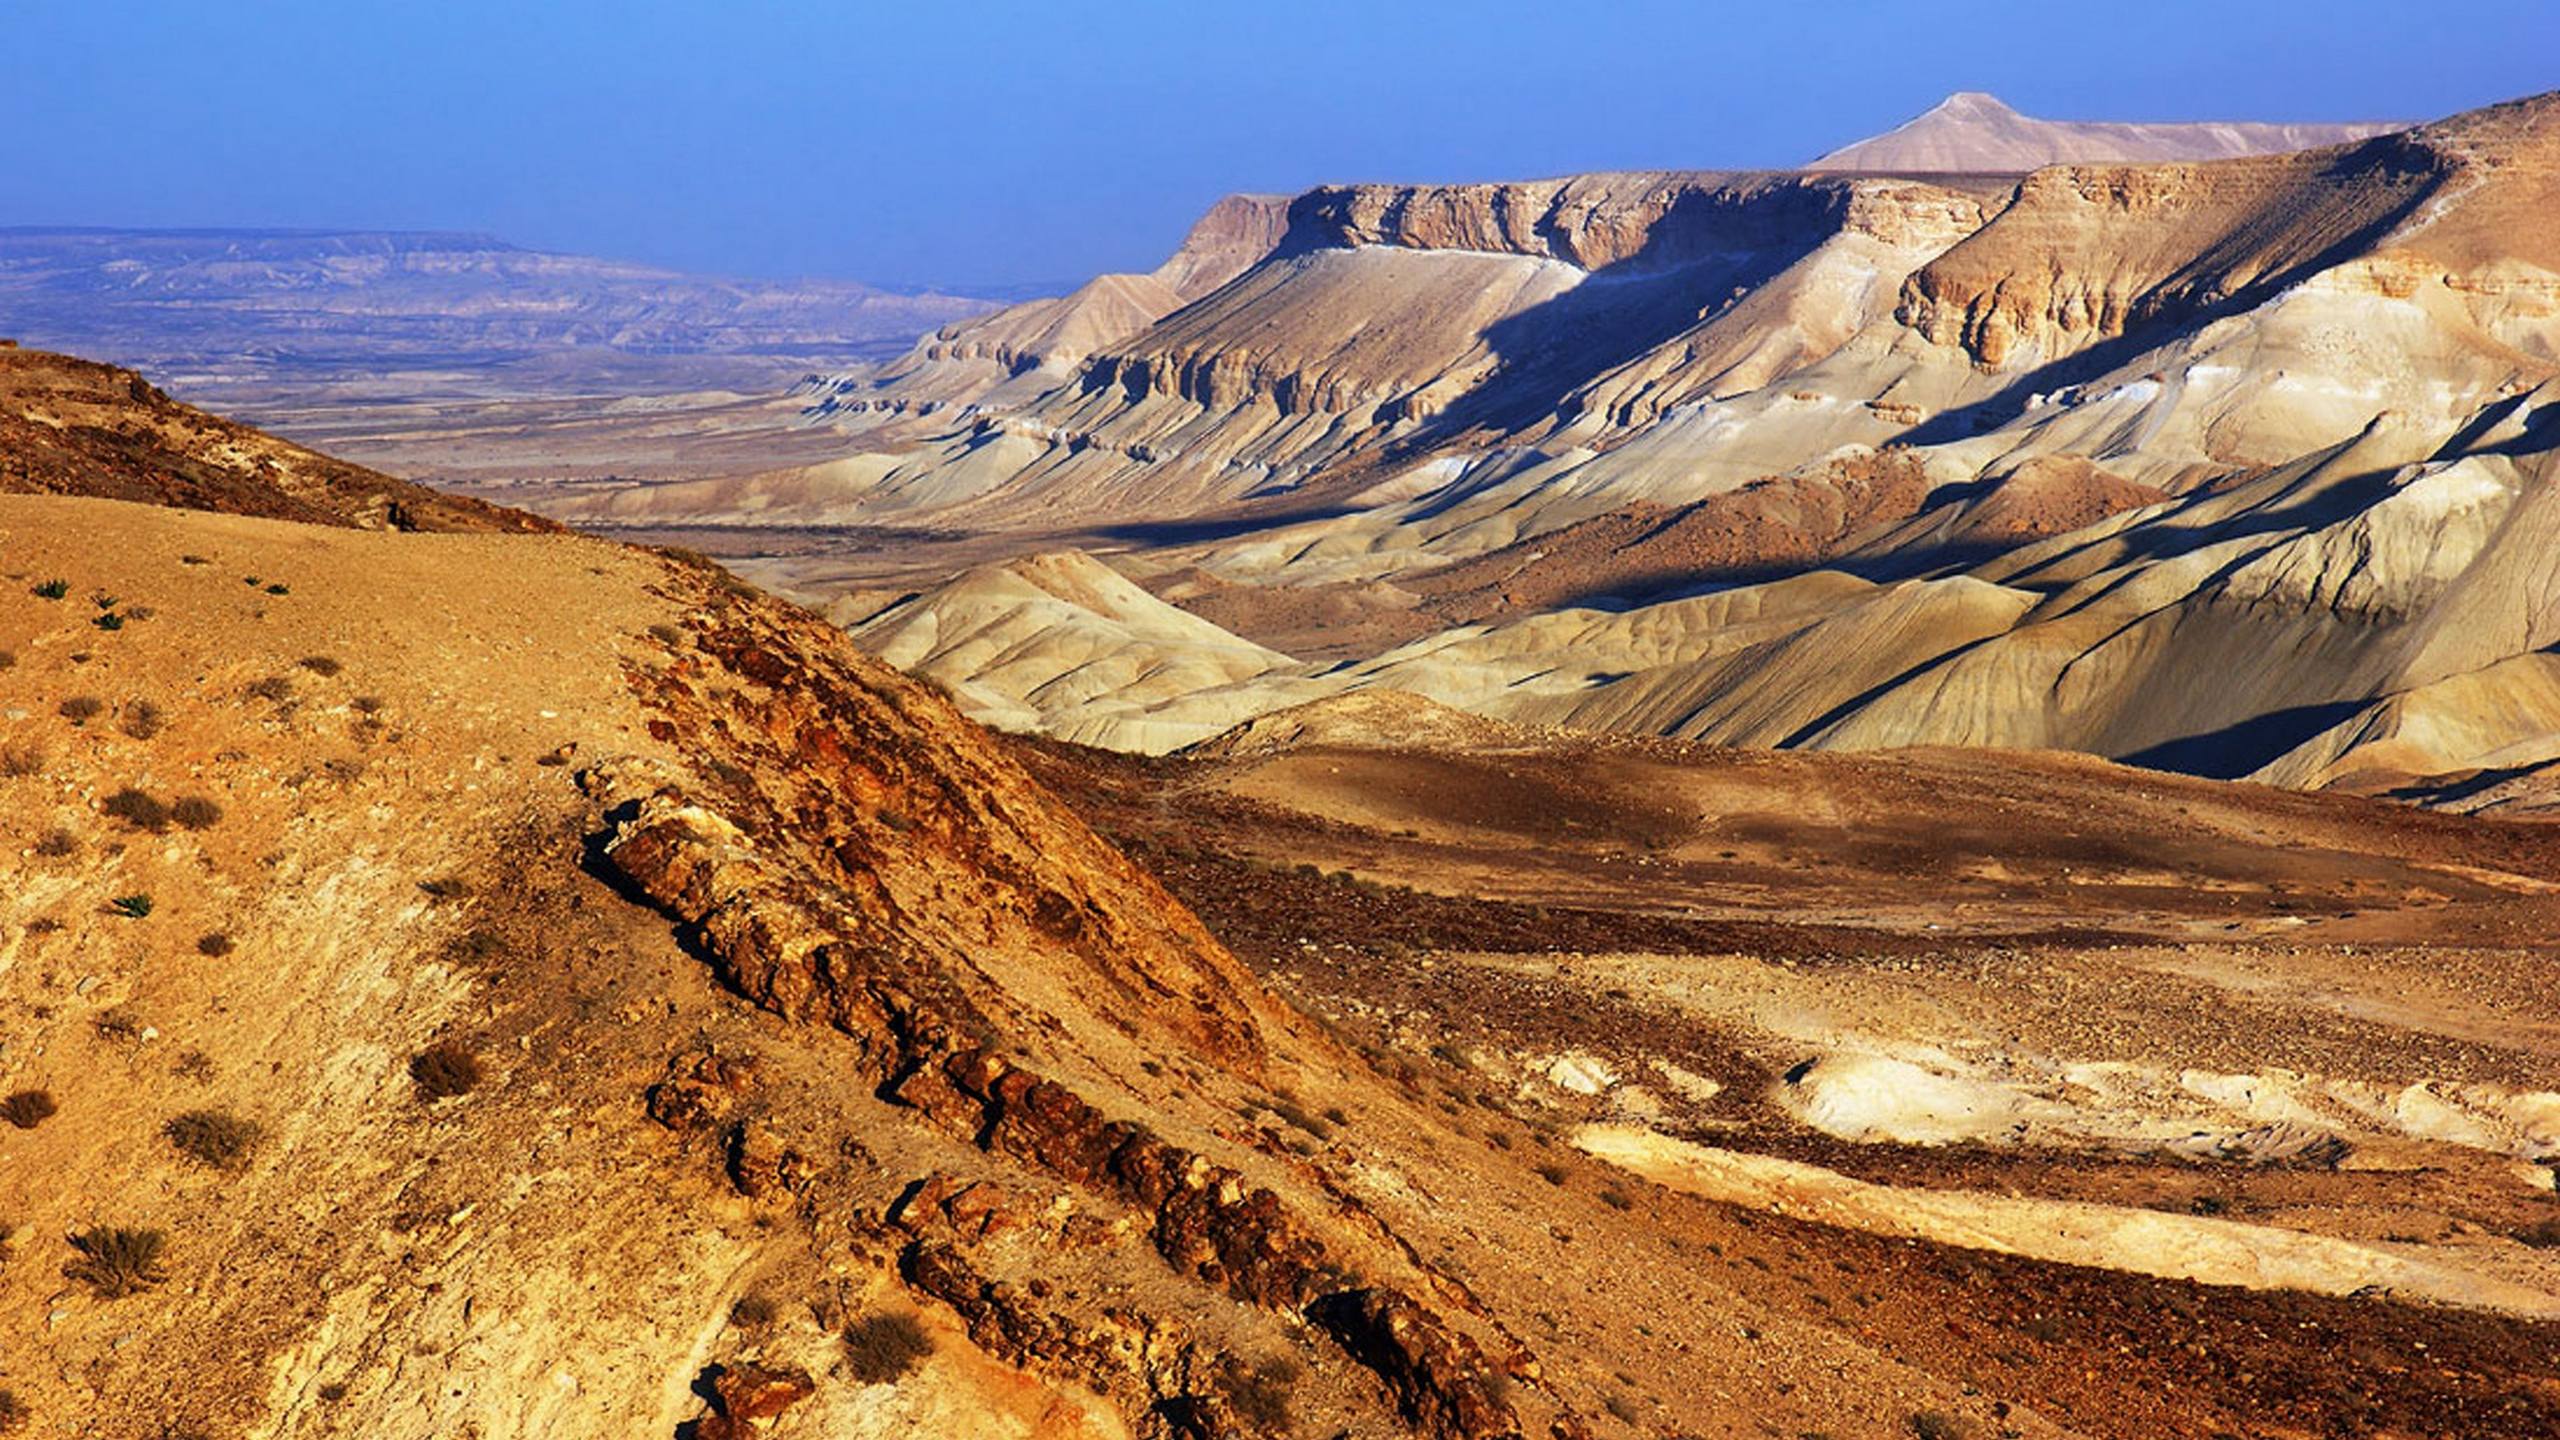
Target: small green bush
81	709
215	1138
28	1109
53	589
109	621
881	1349
116	1261
131	907
214	944
279	589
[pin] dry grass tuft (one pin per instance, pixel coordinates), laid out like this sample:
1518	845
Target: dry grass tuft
216	1138
444	1070
1261	1395
137	808
28	1109
196	812
116	1261
143	719
881	1349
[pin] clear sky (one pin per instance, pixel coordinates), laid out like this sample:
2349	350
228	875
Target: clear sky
991	143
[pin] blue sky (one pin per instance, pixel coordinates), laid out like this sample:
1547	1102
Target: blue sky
1001	143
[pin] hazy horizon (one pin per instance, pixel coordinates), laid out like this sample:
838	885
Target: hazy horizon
1016	146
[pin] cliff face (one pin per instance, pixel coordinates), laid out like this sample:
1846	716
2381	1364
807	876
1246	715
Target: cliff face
2085	253
1596	222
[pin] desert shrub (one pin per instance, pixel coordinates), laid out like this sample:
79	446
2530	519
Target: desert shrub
1617	1199
195	812
444	1070
1623	1408
53	589
57	843
754	1311
28	1109
321	665
1296	1114
367	704
137	808
116	1261
665	634
1936	1425
1261	1395
13	1411
143	719
8	659
216	1138
194	1065
279	589
1552	1173
19	761
109	621
275	689
879	1349
139	612
131	907
2542	1234
447	887
213	943
81	709
194	560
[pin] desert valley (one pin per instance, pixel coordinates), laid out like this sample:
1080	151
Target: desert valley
1904	797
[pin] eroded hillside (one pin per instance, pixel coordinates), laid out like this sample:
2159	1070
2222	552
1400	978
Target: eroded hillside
510	983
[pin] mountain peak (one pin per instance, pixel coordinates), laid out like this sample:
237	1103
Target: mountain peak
1973	104
1975	131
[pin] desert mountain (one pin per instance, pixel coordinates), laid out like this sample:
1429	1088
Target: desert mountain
1972	131
2229	466
489	980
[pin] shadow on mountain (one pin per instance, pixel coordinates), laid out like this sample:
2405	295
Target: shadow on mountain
2236	750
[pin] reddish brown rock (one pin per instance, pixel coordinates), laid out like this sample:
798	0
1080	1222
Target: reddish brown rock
746	1398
